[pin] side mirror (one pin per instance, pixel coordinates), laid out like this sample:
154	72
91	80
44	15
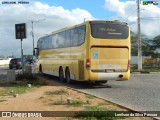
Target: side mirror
36	51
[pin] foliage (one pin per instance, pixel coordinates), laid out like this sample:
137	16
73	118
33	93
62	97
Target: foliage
156	42
57	92
145	69
26	78
149	46
89	96
97	113
14	89
59	102
27	57
76	103
3	100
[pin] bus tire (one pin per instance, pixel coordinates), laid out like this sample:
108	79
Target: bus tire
67	75
61	75
40	70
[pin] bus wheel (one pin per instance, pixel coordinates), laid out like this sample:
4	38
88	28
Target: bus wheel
40	70
61	74
67	75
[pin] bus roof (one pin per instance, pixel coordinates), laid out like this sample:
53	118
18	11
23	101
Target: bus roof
88	21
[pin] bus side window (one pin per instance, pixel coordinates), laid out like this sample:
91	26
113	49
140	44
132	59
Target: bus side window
68	38
53	41
61	40
81	34
56	40
75	37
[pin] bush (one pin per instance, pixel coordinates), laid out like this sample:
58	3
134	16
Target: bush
25	78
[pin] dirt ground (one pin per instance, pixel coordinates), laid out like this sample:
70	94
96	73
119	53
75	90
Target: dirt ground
43	99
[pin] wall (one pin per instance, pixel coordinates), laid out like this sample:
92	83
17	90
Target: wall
134	59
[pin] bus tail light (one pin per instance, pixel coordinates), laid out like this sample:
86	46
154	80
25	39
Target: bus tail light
88	63
129	64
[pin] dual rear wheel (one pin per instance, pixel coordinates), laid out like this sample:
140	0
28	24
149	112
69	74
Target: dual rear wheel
67	75
67	78
61	74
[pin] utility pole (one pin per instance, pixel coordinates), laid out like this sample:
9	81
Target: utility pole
139	37
33	21
22	56
32	35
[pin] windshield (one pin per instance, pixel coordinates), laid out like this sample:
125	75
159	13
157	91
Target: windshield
109	30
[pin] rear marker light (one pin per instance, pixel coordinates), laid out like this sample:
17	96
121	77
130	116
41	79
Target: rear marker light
129	64
88	63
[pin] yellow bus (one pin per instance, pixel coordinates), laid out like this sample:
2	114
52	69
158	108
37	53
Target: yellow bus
96	51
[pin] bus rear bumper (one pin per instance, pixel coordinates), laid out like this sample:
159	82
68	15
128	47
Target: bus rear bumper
109	76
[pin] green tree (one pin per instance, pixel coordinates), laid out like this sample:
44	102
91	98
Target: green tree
134	44
146	47
27	57
156	42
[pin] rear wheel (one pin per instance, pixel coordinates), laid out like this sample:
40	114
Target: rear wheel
67	75
10	67
40	70
61	74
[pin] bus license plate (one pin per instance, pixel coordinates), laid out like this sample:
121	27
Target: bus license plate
110	70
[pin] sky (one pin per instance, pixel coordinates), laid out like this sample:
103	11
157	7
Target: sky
56	14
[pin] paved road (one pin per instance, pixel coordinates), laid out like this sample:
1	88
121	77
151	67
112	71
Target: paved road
140	93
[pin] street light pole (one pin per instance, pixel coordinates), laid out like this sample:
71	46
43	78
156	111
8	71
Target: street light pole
33	36
34	21
139	37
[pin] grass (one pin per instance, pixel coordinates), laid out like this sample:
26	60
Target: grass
106	103
25	78
21	84
7	91
41	97
3	100
57	92
89	96
66	118
59	102
77	103
94	108
73	103
97	113
88	102
146	69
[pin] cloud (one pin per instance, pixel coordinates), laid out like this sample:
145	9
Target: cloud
56	17
127	11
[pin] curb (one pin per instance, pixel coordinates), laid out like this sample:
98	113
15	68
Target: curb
145	73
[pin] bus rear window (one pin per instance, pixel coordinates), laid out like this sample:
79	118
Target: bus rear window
107	30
